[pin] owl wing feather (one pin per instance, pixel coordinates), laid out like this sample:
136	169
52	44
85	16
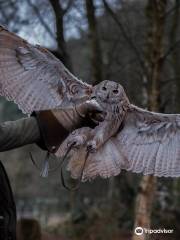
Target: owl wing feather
31	76
150	143
147	143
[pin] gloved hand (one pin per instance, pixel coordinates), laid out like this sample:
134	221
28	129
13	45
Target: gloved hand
44	128
56	124
92	109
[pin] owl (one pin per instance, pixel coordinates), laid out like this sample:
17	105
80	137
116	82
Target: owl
129	138
113	101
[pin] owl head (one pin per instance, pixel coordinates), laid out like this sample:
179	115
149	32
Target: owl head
109	92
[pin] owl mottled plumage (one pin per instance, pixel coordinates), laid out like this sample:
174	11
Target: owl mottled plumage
129	138
34	78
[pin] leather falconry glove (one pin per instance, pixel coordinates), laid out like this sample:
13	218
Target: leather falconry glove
47	128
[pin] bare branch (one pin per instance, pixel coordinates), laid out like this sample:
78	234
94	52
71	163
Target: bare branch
59	19
69	5
171	50
96	54
127	38
177	5
8	16
41	19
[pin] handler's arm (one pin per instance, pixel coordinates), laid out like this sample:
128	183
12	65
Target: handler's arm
45	128
18	133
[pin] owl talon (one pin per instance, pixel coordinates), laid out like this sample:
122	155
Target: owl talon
72	144
91	147
76	142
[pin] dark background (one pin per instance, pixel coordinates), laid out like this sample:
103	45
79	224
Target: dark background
133	42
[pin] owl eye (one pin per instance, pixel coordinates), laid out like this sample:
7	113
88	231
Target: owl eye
104	88
115	91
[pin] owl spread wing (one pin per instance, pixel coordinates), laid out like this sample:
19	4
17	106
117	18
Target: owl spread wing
31	76
147	143
150	143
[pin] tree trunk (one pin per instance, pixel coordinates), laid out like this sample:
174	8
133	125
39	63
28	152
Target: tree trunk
61	43
155	12
144	204
176	83
154	50
59	13
176	55
96	56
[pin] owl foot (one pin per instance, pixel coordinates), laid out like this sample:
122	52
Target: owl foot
92	146
76	141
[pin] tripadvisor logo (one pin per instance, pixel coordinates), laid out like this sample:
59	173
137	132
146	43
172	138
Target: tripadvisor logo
139	231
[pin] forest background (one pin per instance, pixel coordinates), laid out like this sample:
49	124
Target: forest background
133	42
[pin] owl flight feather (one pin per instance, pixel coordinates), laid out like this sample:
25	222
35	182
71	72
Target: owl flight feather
34	78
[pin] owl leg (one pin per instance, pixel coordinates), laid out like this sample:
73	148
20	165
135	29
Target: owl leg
97	140
79	137
101	134
93	145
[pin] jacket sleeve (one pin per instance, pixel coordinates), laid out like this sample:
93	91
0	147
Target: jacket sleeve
18	133
42	128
